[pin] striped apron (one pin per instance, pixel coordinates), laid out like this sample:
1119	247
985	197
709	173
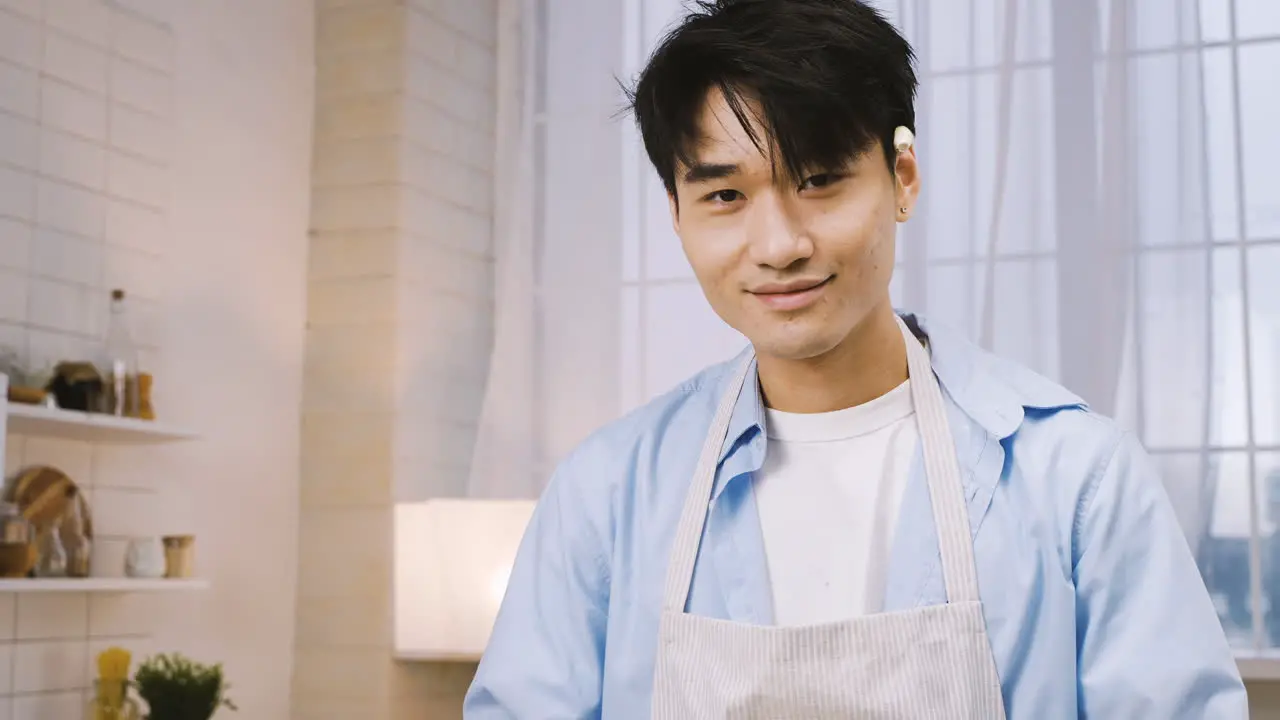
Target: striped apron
930	662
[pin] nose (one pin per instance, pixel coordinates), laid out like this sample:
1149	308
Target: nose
775	236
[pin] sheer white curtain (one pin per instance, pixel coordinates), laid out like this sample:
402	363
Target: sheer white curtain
1095	206
504	456
1101	201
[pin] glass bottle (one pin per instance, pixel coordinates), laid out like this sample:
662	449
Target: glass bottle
53	556
120	363
111	701
78	547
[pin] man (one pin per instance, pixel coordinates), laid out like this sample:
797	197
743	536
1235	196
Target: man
861	516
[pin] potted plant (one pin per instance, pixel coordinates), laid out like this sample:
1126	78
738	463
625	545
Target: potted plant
176	688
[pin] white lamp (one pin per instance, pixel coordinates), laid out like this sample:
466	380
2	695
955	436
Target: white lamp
452	562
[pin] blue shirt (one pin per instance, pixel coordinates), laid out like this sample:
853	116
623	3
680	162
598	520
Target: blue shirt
1094	605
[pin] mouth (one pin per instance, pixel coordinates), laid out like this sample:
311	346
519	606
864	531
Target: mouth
793	295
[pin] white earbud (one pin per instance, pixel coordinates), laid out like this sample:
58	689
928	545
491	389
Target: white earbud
903	138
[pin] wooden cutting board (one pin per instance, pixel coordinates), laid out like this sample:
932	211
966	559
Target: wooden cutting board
42	493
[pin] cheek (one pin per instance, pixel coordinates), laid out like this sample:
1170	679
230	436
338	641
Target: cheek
878	245
712	253
876	267
851	236
858	243
716	256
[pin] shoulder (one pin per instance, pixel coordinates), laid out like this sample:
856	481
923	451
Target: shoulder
609	481
1058	429
662	432
691	402
1070	452
1069	436
1080	463
1060	436
1018	406
1058	449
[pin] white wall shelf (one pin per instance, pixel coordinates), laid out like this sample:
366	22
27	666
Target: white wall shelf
88	427
100	585
40	421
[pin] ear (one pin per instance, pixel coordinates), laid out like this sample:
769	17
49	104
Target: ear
906	182
674	205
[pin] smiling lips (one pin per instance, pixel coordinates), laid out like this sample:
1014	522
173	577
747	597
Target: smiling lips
792	295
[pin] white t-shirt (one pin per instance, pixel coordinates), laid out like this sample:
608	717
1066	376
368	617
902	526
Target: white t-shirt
828	497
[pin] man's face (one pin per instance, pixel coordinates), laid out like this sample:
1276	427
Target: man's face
795	267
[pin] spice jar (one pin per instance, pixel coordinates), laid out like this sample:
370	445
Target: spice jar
179	555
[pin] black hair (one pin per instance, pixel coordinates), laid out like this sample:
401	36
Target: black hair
830	77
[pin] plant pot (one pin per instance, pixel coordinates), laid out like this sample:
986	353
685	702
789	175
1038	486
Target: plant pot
176	688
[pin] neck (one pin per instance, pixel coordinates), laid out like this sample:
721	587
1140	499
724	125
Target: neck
869	362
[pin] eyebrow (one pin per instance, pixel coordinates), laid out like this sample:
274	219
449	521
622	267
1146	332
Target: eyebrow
702	172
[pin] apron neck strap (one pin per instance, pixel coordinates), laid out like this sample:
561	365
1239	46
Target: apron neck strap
693	519
942	473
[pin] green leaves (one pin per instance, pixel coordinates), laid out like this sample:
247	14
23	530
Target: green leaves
177	688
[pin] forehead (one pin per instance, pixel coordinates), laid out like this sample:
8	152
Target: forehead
722	137
725	146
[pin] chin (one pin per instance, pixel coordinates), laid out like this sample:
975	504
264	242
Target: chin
797	346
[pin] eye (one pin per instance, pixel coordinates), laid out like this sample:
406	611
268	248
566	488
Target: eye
723	197
821	180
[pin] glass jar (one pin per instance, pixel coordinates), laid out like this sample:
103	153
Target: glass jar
52	562
14	528
78	547
111	701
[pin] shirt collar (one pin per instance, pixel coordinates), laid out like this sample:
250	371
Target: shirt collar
994	392
747	419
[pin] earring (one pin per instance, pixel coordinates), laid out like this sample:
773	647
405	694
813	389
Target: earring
903	138
902	211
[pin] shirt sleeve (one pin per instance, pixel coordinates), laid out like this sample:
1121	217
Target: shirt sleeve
1150	644
545	654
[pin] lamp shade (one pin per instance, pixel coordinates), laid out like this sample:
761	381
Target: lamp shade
452	561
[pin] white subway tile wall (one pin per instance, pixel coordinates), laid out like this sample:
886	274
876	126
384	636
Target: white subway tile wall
86	20
85	117
400	287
